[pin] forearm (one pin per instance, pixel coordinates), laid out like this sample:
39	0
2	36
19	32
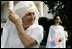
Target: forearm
25	39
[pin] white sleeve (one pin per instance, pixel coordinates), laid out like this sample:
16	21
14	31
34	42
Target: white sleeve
37	34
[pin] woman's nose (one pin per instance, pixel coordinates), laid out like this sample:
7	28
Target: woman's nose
32	16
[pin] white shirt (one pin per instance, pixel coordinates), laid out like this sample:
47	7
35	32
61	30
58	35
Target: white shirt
13	40
55	32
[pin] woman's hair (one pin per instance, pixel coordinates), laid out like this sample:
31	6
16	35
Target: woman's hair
55	18
46	23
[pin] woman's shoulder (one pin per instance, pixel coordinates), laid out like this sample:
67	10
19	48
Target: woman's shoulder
39	26
61	26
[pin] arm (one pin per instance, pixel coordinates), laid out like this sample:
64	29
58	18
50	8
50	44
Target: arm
66	34
25	39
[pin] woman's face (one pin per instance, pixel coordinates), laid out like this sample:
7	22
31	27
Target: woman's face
57	20
29	18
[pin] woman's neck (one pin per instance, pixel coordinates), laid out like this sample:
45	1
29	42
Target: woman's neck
56	24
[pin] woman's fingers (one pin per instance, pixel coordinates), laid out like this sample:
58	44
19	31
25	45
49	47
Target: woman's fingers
11	11
12	16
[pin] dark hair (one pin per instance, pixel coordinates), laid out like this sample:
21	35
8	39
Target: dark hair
45	23
55	18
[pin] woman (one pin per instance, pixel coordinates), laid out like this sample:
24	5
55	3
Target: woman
22	31
56	35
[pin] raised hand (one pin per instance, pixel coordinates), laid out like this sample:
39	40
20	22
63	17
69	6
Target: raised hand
13	17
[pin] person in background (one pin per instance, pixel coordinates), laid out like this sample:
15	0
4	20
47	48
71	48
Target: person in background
56	36
45	23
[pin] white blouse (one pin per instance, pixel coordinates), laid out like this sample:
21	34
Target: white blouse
13	40
55	33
